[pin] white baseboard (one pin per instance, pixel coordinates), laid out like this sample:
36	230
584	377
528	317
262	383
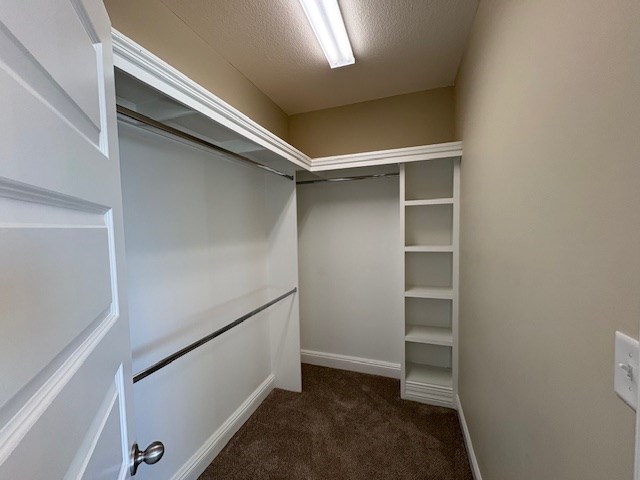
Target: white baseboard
467	441
353	364
194	467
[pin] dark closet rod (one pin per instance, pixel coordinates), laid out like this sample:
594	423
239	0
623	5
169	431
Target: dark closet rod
192	138
347	179
174	356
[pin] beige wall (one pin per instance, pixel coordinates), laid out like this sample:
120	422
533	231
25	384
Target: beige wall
548	106
400	121
151	24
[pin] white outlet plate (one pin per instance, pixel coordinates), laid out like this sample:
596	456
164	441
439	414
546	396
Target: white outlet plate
626	360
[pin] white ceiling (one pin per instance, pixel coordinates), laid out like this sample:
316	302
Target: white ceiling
400	46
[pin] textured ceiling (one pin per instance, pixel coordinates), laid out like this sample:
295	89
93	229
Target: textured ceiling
400	46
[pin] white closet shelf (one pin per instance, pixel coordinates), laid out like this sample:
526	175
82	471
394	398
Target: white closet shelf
429	335
429	375
443	293
429	248
209	321
432	201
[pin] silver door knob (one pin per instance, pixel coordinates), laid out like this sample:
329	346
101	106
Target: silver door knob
151	455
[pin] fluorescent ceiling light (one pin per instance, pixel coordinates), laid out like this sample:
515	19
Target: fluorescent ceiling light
328	25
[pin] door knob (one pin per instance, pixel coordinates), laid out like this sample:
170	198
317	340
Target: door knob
151	455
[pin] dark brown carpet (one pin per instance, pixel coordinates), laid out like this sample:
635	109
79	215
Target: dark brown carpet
344	425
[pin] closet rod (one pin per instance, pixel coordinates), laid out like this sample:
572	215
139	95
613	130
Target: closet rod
347	179
183	351
192	138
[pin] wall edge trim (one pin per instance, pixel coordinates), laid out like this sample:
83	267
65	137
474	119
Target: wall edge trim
353	364
475	469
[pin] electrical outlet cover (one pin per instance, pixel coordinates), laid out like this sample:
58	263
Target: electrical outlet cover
626	369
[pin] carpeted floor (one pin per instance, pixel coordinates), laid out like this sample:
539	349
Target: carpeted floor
344	425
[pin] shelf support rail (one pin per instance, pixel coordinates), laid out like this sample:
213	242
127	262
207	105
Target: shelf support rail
150	122
183	351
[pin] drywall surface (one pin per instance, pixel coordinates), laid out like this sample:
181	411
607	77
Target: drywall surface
196	237
407	120
282	248
151	24
548	107
350	268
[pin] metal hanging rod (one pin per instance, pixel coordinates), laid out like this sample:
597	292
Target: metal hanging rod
132	114
347	179
183	351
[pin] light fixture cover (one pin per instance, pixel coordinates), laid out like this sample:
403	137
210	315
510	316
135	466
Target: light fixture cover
327	23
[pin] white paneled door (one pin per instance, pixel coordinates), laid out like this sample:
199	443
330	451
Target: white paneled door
65	360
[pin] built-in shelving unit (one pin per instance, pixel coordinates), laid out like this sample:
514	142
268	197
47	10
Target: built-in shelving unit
429	211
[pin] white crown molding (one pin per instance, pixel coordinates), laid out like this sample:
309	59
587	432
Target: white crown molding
144	65
384	157
150	69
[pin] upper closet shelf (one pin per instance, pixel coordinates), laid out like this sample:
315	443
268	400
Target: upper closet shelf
432	201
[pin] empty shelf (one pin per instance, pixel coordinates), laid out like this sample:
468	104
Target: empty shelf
428	375
433	201
445	293
429	335
428	248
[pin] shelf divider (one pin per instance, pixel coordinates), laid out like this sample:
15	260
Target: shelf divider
430	201
429	248
442	293
429	335
429	375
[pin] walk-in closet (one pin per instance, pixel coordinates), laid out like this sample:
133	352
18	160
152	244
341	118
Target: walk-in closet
319	239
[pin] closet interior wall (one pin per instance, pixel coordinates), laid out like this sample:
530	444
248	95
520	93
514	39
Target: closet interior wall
207	240
351	271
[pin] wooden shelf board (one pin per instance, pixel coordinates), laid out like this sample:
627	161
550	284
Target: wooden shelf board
445	293
429	375
429	335
432	201
429	248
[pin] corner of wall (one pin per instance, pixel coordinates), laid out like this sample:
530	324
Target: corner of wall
412	119
171	39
